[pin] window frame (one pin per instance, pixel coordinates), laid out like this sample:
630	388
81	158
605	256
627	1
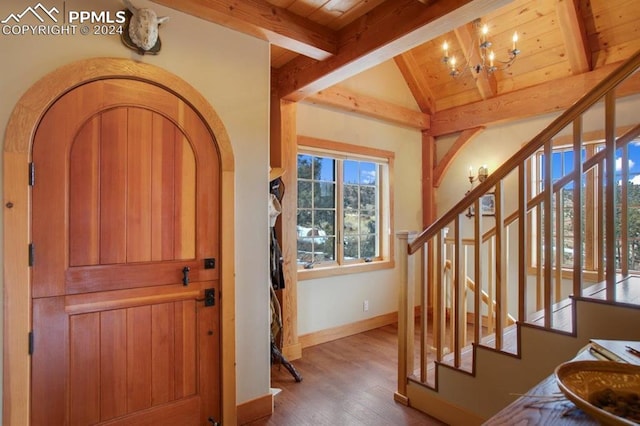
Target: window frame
344	151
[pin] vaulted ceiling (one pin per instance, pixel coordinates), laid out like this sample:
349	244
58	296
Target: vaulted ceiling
315	44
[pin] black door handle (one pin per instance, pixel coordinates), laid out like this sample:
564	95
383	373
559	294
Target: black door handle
185	275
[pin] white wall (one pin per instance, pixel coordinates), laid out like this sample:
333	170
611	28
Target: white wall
231	70
331	302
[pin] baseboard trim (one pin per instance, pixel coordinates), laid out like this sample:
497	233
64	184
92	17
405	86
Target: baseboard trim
292	352
323	336
255	409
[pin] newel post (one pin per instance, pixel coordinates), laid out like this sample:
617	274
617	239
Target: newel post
406	303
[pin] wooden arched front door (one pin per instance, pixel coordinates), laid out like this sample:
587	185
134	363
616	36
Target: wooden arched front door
125	284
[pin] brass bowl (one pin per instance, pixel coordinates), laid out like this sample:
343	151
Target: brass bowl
580	380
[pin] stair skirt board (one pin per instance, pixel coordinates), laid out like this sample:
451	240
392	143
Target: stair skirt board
462	398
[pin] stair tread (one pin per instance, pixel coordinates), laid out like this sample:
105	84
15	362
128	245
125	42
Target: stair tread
627	291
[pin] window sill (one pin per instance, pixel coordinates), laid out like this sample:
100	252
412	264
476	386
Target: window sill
331	271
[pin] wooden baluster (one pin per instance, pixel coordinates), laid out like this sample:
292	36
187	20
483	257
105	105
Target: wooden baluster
422	273
600	231
464	308
610	203
458	279
491	310
439	306
577	207
591	215
501	265
523	243
477	241
559	246
546	240
624	212
539	259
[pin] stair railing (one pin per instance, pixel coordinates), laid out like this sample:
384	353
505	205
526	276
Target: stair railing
525	243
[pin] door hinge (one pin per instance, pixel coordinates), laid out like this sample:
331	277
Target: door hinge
31	343
32	174
32	254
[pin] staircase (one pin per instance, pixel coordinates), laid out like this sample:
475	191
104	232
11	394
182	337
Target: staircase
492	294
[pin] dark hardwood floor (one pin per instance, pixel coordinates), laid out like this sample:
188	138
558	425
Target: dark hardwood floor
350	381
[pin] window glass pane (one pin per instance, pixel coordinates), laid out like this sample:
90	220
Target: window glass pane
325	249
556	166
304	166
368	173
324	195
304	194
368	222
351	222
305	250
350	197
568	161
304	221
324	169
350	171
368	246
351	244
634	163
367	197
324	221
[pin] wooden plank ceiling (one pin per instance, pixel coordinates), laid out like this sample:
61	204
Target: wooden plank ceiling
315	44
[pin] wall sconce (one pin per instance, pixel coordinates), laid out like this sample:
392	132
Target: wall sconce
483	172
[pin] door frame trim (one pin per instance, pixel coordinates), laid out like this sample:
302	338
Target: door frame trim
18	141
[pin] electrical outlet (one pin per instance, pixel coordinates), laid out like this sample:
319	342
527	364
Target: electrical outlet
365	305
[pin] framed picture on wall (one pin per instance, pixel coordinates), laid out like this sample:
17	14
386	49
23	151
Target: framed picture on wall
487	206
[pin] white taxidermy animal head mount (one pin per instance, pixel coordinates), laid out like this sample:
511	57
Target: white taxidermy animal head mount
143	27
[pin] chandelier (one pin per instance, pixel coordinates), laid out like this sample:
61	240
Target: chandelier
487	60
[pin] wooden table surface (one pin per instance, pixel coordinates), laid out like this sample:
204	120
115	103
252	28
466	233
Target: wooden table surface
545	404
539	410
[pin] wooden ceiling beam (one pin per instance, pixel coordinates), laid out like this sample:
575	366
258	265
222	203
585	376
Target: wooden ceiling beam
379	35
486	83
575	37
443	165
342	98
543	98
265	21
418	84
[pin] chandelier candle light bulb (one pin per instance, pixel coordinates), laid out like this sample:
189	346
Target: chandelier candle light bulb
453	72
487	60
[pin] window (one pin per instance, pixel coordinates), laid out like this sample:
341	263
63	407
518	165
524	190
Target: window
343	209
593	194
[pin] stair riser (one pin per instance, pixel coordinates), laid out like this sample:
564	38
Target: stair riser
498	375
